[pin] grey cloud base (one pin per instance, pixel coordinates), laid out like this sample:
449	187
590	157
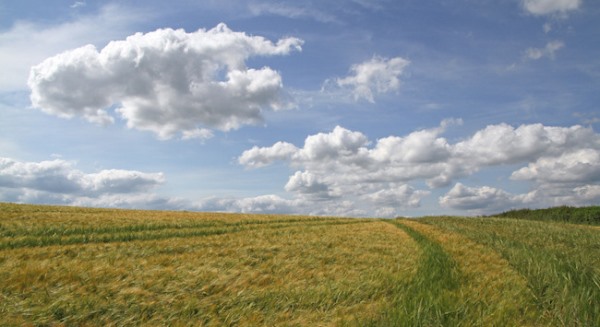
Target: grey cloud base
58	181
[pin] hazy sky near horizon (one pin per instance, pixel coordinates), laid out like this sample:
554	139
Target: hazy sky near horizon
354	108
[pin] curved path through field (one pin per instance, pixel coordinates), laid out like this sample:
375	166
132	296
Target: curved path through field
489	291
501	272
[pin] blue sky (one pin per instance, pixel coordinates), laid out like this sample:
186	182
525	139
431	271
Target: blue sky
351	108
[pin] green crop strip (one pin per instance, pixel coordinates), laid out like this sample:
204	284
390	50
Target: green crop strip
67	231
429	298
561	263
146	233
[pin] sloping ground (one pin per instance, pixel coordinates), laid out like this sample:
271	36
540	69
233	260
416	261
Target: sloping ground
78	266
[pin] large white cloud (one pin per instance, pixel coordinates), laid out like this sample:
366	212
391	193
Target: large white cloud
380	176
563	167
59	179
545	7
503	144
375	76
167	81
342	167
423	154
296	11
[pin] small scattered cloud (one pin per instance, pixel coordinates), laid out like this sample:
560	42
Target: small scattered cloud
373	77
260	157
290	11
550	7
198	133
375	5
166	82
78	4
546	52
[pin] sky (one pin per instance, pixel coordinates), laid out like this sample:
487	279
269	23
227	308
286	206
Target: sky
366	108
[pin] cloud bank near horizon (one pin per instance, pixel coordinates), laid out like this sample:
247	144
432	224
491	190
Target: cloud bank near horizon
343	173
58	181
562	165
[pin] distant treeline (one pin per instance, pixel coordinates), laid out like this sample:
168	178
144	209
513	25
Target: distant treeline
579	215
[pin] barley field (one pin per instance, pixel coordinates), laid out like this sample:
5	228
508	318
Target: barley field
69	266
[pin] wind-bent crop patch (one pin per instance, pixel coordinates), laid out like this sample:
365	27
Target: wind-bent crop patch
174	269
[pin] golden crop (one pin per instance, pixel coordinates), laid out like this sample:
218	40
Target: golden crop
68	266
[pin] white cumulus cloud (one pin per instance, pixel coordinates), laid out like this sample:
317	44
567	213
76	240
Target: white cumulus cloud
375	76
579	166
258	157
483	199
339	143
342	166
375	176
59	179
167	81
403	196
259	204
504	144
